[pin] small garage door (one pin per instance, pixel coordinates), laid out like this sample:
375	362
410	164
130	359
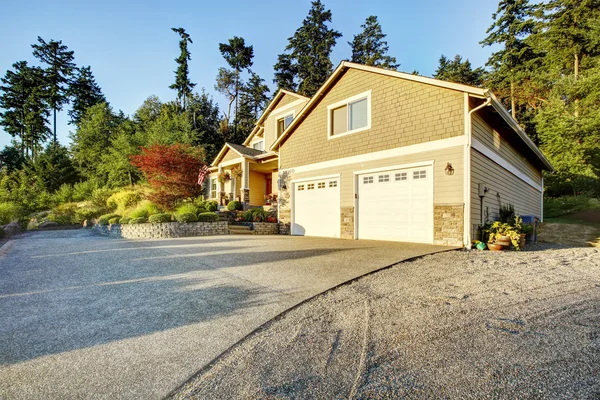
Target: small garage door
396	205
316	208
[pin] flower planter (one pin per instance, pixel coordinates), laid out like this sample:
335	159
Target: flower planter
503	241
495	247
522	241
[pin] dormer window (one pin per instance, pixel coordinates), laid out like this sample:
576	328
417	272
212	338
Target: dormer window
283	123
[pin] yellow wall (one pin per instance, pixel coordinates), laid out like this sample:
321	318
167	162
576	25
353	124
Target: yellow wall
257	188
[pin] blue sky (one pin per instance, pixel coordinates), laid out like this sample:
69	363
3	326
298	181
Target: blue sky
131	48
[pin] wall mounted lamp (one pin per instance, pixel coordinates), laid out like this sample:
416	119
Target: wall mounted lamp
449	169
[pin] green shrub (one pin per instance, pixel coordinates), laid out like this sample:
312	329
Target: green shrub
45	201
123	200
144	209
104	220
186	217
201	210
10	212
83	190
187	208
114	220
65	214
88	211
124	220
100	196
235	206
159	218
209	205
139	220
64	194
256	215
208	217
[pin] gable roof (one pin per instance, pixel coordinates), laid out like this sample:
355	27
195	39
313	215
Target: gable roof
243	151
270	107
471	90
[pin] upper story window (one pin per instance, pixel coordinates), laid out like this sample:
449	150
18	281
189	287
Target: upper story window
349	116
283	123
259	145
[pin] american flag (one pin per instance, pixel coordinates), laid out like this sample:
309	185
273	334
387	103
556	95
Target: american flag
203	172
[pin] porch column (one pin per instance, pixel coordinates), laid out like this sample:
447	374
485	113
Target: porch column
220	187
245	182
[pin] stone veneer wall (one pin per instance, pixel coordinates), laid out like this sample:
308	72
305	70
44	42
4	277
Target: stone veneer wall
347	223
285	217
265	228
164	230
448	224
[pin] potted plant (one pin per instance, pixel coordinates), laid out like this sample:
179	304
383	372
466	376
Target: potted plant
236	172
500	232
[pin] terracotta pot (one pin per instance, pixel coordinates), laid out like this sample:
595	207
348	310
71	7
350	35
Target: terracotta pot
503	242
522	241
495	246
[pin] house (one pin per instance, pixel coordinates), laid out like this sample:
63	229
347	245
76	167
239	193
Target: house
384	155
256	166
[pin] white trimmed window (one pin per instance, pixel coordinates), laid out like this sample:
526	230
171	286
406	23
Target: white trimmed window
213	188
349	116
283	123
260	145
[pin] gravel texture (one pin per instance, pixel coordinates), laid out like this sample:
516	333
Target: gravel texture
83	316
469	325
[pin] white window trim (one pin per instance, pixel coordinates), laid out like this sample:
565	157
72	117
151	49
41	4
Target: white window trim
259	141
283	116
346	102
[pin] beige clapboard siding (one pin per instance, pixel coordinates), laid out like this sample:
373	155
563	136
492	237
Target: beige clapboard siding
270	124
230	155
402	113
504	188
257	188
447	189
495	142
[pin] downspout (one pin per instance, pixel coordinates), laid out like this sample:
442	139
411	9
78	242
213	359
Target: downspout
468	189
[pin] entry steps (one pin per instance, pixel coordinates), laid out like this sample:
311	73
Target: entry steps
240	230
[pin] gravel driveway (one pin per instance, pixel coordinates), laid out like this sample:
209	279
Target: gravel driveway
453	325
90	317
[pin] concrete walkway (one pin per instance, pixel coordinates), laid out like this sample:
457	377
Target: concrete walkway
85	316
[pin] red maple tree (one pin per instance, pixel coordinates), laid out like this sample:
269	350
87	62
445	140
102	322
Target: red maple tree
172	171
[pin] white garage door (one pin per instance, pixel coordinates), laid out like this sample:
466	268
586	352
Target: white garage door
316	208
396	205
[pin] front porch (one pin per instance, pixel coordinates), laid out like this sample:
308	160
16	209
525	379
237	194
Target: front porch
252	182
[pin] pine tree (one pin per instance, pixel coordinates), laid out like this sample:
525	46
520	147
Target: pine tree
60	67
182	84
205	118
239	57
285	73
458	71
84	92
25	111
513	23
370	48
310	50
256	90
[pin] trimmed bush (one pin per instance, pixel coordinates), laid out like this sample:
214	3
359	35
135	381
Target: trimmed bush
235	206
104	220
187	208
88	211
140	220
159	218
208	217
210	205
124	220
100	196
256	215
114	220
186	217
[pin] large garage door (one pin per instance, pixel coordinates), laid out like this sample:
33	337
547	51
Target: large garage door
396	205
316	208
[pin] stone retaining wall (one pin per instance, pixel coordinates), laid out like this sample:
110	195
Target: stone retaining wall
265	228
164	230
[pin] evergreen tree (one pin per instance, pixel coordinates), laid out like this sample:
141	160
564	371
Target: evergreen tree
513	23
370	48
458	71
310	50
204	115
25	111
239	57
285	73
257	96
60	67
182	84
227	85
84	92
54	167
11	159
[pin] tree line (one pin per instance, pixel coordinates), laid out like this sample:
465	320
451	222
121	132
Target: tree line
546	72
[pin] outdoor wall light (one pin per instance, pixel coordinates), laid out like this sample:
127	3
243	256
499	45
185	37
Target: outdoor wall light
284	187
449	169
